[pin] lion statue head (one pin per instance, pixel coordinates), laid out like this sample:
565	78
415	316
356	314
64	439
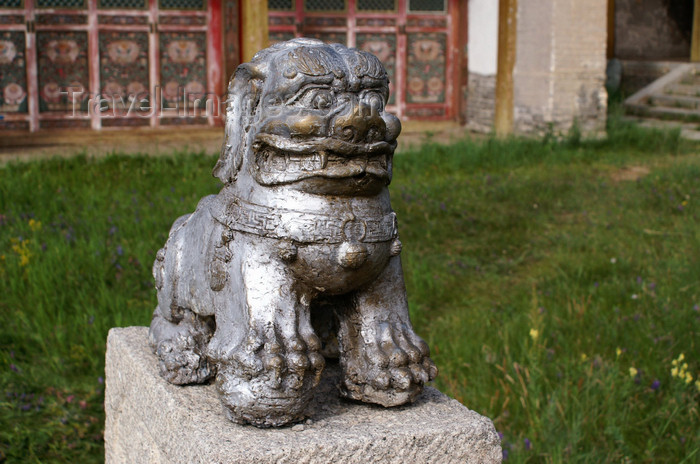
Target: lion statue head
311	116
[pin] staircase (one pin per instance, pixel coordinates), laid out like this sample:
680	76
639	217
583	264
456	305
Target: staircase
673	100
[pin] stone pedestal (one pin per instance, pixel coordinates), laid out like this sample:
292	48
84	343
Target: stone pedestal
152	421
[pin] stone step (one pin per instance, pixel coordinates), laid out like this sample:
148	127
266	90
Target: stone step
672	97
690	79
675	101
682	89
665	113
689	131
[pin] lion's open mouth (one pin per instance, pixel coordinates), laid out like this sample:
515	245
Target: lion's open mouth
280	160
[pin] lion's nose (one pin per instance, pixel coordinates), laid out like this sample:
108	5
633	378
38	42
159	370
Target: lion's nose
363	122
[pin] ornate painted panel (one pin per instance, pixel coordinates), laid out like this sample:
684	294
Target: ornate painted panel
124	70
426	67
183	68
65	124
275	21
63	70
125	122
13	72
329	37
376	22
6	19
14	125
61	19
384	47
189	121
122	20
312	22
280	36
170	20
435	22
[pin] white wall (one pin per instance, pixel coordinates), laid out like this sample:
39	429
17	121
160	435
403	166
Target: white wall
483	36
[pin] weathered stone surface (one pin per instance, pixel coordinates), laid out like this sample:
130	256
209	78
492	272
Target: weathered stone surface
559	74
481	105
150	420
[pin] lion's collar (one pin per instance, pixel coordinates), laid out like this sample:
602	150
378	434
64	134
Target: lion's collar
304	227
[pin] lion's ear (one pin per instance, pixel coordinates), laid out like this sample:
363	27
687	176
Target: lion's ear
240	108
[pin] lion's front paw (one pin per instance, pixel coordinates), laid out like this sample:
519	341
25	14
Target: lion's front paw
269	380
390	370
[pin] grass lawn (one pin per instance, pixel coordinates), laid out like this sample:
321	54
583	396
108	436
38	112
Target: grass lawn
557	283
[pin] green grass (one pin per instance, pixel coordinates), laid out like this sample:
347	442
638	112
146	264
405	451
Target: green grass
538	274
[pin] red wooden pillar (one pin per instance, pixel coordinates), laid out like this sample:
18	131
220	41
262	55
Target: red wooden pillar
215	57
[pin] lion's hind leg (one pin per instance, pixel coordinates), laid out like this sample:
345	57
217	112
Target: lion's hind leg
180	347
180	330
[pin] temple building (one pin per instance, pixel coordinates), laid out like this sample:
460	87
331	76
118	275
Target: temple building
523	66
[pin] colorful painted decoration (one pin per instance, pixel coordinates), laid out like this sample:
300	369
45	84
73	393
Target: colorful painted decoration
426	67
13	73
182	67
63	70
124	70
280	36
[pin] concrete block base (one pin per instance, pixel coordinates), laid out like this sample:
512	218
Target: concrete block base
152	421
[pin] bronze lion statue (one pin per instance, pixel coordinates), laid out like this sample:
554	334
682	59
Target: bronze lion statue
300	242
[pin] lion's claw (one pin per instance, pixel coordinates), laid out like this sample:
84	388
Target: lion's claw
389	372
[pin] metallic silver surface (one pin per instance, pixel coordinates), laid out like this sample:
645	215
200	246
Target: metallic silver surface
300	241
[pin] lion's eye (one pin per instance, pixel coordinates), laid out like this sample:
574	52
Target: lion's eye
318	99
322	100
374	100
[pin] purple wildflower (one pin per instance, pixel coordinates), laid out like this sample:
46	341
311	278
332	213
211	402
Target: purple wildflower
505	454
14	368
639	280
120	250
528	444
652	285
113	230
100	380
655	384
